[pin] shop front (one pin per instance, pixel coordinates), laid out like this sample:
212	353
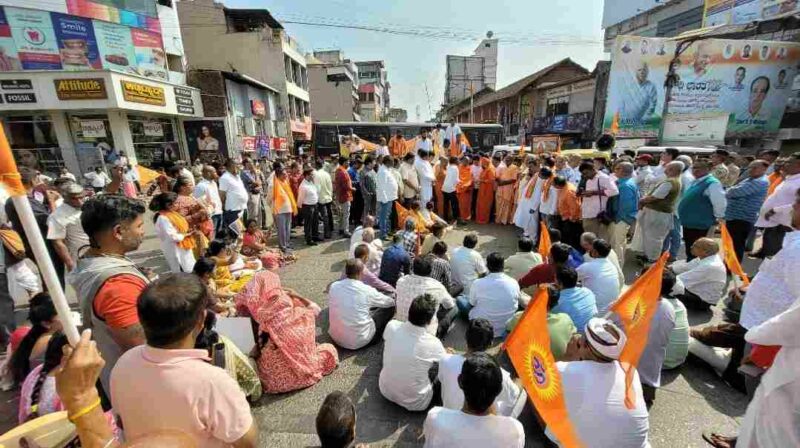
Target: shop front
82	120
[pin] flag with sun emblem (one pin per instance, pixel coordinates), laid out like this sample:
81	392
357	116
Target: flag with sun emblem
528	347
635	309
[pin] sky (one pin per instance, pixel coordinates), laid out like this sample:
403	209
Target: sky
414	63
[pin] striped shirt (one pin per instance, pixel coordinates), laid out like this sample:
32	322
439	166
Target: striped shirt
745	199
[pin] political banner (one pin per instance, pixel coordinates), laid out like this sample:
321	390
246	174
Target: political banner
150	57
717	12
748	80
116	46
34	38
76	42
9	60
737	12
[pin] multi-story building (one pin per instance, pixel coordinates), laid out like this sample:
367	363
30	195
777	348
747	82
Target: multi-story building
253	43
333	86
83	81
653	18
397	115
373	90
467	75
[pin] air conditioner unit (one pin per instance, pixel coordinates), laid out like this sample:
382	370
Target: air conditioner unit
250	126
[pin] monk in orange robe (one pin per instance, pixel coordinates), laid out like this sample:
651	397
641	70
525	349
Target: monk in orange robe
507	175
483	208
464	189
440	172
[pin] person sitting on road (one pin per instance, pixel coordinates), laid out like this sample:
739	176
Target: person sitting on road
577	302
436	235
652	360
559	325
587	242
467	263
440	268
358	312
701	282
395	261
601	276
546	273
524	260
363	252
375	247
479	337
336	421
474	425
420	282
409	353
409	238
678	344
494	297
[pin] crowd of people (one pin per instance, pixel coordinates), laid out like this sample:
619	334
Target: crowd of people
403	285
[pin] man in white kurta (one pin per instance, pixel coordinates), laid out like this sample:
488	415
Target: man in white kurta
528	201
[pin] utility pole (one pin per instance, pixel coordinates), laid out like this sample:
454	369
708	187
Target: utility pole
417	108
671	80
471	103
428	96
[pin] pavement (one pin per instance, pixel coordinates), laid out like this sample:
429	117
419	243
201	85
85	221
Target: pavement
691	400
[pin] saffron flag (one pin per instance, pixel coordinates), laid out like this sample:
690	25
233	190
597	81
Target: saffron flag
146	175
636	308
402	214
729	255
544	242
528	347
9	176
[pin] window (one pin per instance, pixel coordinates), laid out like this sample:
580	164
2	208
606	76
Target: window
174	63
33	142
685	21
287	63
154	140
558	106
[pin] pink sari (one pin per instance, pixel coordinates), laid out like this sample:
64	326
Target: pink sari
291	359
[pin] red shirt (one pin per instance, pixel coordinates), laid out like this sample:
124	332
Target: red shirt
343	186
115	302
543	273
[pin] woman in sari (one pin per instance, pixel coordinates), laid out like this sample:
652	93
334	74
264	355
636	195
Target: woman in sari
506	192
196	214
289	357
485	192
173	231
233	271
254	244
464	189
440	172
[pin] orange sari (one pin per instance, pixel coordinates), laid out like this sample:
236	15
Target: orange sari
485	193
504	198
464	191
437	189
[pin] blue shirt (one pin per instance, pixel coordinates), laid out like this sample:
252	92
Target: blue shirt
354	177
745	199
395	262
625	206
575	258
579	303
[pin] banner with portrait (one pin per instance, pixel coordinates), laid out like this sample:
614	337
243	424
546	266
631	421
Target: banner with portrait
206	140
748	80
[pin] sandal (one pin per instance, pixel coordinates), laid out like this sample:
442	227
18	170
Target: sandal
719	441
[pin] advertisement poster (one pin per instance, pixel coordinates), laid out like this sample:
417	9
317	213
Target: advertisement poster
35	39
150	57
746	11
206	140
749	80
93	129
774	8
737	12
718	12
76	42
9	61
115	46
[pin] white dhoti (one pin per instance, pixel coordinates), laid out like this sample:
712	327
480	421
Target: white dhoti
654	226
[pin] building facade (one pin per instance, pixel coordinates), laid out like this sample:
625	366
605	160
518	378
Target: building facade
467	75
397	115
252	43
333	87
373	90
666	18
85	82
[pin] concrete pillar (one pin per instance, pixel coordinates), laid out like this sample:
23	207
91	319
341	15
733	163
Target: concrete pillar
65	142
123	141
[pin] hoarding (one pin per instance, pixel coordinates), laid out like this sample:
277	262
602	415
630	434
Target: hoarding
9	60
206	140
116	46
748	80
726	12
76	42
35	39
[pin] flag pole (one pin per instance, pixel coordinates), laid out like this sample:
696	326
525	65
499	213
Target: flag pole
9	175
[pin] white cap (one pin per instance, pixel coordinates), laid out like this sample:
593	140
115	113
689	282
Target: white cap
605	338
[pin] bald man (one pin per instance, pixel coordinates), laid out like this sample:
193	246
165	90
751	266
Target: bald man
701	281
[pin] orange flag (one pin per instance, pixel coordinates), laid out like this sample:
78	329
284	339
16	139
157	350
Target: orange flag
402	213
615	124
146	175
636	308
9	176
528	348
544	242
729	255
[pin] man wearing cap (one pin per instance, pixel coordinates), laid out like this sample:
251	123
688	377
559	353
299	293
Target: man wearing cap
64	227
594	389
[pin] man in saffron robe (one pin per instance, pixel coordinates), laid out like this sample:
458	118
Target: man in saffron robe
464	189
485	192
440	171
506	191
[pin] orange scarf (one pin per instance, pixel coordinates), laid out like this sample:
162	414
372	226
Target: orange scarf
12	242
775	179
182	226
546	188
531	186
277	198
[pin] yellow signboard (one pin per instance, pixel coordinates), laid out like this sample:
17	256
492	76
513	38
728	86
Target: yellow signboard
142	93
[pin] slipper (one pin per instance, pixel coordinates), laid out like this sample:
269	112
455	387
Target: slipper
719	441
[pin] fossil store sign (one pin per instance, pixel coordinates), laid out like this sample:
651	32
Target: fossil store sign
81	89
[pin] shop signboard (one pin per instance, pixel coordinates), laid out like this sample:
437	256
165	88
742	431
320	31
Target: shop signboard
115	46
93	129
80	89
258	108
150	57
248	144
206	140
35	38
16	84
749	80
9	61
706	128
545	143
20	98
153	129
135	92
76	42
184	104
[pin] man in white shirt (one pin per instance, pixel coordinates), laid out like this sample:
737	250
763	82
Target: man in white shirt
494	297
307	199
409	287
64	227
386	194
587	241
409	352
383	149
357	312
595	193
451	210
98	179
475	424
479	339
426	177
467	264
652	359
410	179
643	176
783	195
233	194
207	192
594	390
424	142
324	183
374	246
549	202
600	276
701	282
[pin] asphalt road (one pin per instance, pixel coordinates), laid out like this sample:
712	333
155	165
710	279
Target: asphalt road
691	400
